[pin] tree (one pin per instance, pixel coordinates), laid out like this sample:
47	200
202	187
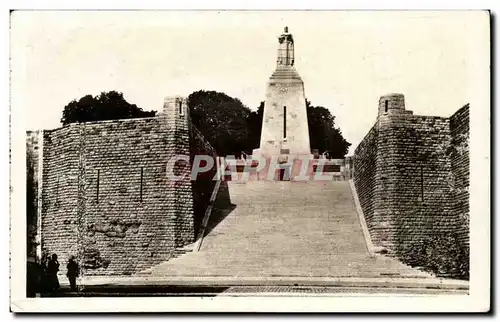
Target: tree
254	124
221	119
106	106
323	135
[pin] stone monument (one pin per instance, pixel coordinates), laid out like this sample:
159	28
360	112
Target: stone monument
284	125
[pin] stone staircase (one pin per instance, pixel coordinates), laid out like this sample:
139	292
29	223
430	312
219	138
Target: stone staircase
302	229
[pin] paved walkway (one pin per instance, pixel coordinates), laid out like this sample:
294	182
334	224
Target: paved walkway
403	282
271	286
289	229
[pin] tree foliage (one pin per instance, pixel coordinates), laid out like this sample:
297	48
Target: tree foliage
231	128
221	119
323	135
254	123
442	253
105	106
228	125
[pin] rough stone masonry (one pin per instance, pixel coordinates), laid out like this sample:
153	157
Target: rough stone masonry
104	194
412	175
101	191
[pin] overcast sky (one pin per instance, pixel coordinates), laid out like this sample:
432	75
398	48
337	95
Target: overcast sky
346	59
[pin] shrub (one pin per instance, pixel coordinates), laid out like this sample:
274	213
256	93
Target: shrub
442	254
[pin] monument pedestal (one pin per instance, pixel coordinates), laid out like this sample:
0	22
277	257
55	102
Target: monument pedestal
284	140
283	167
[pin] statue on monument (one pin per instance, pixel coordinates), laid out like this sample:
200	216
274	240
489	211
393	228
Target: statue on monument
285	49
284	126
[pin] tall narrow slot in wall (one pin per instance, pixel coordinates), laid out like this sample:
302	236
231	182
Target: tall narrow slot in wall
142	176
180	107
386	105
57	191
97	191
422	182
284	122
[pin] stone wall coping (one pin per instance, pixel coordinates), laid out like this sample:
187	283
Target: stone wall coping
364	227
78	124
460	110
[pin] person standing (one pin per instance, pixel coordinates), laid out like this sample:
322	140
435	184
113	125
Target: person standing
73	272
52	269
44	279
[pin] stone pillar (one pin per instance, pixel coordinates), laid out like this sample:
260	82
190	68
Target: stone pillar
176	116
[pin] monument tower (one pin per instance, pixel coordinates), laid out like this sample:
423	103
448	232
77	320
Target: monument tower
284	123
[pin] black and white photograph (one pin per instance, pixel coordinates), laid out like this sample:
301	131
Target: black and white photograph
313	157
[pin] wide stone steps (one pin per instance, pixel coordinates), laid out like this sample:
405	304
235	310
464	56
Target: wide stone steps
308	229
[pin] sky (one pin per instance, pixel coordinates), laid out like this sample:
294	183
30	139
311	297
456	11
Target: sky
347	59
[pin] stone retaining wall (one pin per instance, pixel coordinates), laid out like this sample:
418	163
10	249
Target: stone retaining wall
106	196
459	129
408	182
